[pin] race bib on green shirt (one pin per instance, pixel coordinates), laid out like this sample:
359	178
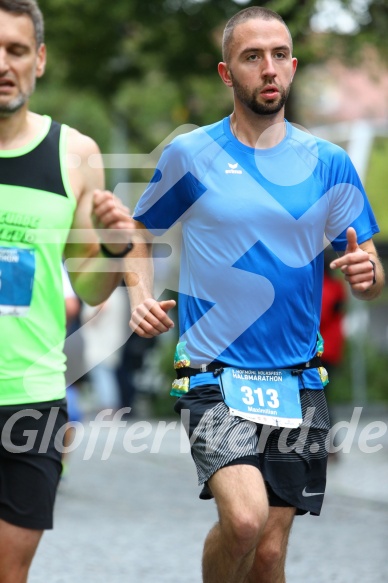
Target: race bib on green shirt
269	397
17	272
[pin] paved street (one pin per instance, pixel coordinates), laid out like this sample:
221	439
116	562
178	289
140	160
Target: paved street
135	516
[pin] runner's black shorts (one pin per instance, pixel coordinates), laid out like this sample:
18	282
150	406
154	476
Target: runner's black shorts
292	462
30	462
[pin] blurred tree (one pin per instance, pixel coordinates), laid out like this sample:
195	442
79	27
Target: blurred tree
350	25
151	66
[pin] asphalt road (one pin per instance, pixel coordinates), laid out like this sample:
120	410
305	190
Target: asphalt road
128	511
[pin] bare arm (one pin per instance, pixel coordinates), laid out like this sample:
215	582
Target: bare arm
356	265
93	276
149	317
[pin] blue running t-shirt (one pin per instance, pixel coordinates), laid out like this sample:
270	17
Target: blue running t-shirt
255	223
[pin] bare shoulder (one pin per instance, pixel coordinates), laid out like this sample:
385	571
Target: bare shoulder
81	145
84	162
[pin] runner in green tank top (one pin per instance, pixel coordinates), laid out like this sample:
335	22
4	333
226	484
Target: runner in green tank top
43	202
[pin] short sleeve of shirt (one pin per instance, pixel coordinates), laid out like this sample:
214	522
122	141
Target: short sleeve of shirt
171	191
349	205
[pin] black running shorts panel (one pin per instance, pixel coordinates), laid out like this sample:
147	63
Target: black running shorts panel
292	461
30	462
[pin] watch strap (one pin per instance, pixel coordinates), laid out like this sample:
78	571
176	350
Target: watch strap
374	271
106	253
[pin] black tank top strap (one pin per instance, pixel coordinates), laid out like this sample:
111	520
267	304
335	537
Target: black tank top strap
40	168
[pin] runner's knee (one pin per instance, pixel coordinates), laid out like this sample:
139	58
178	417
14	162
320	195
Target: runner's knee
269	555
271	551
242	530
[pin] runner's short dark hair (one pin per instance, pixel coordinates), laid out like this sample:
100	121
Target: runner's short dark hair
29	8
250	13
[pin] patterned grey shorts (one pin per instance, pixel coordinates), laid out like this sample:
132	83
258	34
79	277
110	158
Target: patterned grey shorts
292	461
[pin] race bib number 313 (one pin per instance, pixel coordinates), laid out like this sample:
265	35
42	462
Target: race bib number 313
269	397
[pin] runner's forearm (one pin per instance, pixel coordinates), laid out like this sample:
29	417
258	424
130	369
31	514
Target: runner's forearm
139	273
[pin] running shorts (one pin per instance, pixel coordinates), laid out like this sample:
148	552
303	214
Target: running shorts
292	461
30	462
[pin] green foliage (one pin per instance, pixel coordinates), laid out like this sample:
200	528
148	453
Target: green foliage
86	112
339	389
376	184
162	403
371	24
153	64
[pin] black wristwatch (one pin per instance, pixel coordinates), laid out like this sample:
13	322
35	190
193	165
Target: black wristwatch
106	253
374	271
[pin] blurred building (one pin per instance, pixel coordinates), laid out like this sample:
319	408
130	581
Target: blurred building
332	91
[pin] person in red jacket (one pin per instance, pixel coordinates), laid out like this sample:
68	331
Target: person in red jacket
334	299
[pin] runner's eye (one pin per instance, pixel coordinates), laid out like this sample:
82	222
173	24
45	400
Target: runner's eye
17	51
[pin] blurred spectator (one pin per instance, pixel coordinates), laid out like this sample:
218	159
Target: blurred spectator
73	348
105	329
130	363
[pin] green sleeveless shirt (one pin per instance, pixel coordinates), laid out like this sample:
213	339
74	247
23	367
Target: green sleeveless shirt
36	212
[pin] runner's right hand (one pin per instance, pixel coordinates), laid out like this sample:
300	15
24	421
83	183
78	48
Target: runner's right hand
150	318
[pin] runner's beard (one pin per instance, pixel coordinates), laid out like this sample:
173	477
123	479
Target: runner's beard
8	109
251	99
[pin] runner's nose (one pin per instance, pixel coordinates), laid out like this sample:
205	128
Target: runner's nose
4	65
268	67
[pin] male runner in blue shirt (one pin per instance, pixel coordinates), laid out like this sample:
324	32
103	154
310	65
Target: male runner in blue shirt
258	200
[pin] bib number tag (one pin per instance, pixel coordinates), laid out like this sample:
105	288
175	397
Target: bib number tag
269	397
17	272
